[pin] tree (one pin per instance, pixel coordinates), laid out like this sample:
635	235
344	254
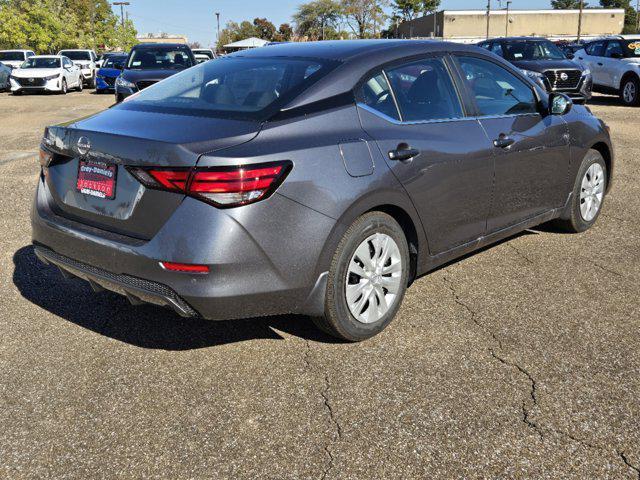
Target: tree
430	6
567	4
314	19
364	16
629	13
264	29
285	33
407	10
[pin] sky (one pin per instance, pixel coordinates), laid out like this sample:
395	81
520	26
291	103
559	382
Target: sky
196	18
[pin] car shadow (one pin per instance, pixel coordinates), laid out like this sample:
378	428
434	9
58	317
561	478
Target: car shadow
145	326
605	101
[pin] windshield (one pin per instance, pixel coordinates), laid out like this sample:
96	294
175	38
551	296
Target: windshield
74	55
35	62
631	48
233	87
159	58
115	62
11	56
203	52
532	50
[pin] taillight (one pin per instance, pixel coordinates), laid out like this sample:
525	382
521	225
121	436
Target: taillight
223	187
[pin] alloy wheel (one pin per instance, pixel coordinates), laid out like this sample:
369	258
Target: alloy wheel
373	278
629	92
591	192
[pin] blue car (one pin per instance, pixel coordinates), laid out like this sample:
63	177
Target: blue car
112	68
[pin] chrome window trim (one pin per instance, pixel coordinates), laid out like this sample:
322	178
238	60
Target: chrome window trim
443	120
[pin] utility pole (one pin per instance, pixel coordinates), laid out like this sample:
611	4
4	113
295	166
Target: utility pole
122	5
506	23
637	16
580	19
488	15
435	24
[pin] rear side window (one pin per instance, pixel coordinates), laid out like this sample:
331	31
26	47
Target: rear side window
496	90
614	49
376	94
424	91
496	48
236	87
595	49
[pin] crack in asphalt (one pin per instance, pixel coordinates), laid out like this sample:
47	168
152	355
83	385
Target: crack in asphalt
520	254
532	402
337	433
601	267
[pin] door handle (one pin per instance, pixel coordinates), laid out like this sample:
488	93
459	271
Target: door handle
404	152
600	63
503	142
580	58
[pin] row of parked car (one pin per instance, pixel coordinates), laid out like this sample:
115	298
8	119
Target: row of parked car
607	65
122	73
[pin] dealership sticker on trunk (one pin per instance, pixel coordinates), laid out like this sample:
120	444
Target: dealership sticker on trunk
97	179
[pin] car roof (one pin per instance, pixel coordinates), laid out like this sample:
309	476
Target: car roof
355	58
520	39
76	50
161	45
17	50
47	56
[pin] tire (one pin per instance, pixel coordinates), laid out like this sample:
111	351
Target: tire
92	82
377	297
63	88
630	91
574	220
17	93
80	85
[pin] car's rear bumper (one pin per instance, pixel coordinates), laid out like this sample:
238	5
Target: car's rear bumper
264	259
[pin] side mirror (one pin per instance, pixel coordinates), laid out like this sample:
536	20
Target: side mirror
559	104
570	56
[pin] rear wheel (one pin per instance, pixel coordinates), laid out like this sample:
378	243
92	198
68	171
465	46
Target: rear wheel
367	279
630	91
80	85
92	81
63	87
588	194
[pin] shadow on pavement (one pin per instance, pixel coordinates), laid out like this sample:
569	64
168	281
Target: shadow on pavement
144	326
605	101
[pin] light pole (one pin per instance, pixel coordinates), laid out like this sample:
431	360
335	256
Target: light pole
122	5
506	23
580	19
218	34
488	14
637	17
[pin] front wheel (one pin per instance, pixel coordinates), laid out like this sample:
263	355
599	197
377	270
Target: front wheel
367	279
588	194
630	91
80	86
92	82
63	88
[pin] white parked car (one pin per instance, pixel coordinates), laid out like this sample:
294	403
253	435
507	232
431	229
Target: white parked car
200	58
615	67
46	73
209	53
86	60
15	58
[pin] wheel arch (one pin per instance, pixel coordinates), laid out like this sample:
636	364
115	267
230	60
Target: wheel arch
605	151
625	76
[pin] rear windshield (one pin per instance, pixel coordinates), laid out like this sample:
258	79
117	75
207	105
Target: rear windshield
532	50
203	52
159	59
34	62
73	55
11	56
236	87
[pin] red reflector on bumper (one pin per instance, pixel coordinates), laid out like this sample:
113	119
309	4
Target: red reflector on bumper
184	267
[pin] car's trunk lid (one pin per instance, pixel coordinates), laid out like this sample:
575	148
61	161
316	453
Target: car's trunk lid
121	138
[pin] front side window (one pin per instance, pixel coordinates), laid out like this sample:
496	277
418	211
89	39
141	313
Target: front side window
595	49
424	91
159	59
376	94
496	48
35	62
115	62
235	87
496	90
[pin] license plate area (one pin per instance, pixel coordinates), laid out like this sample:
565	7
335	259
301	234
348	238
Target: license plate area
97	179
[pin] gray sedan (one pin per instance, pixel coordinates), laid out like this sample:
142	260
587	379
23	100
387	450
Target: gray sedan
313	178
5	73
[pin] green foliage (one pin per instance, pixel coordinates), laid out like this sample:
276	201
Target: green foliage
630	13
317	20
406	10
567	4
365	17
51	25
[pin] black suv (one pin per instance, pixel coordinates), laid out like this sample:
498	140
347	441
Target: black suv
148	63
545	63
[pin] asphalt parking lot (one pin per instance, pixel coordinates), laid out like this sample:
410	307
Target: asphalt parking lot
520	361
